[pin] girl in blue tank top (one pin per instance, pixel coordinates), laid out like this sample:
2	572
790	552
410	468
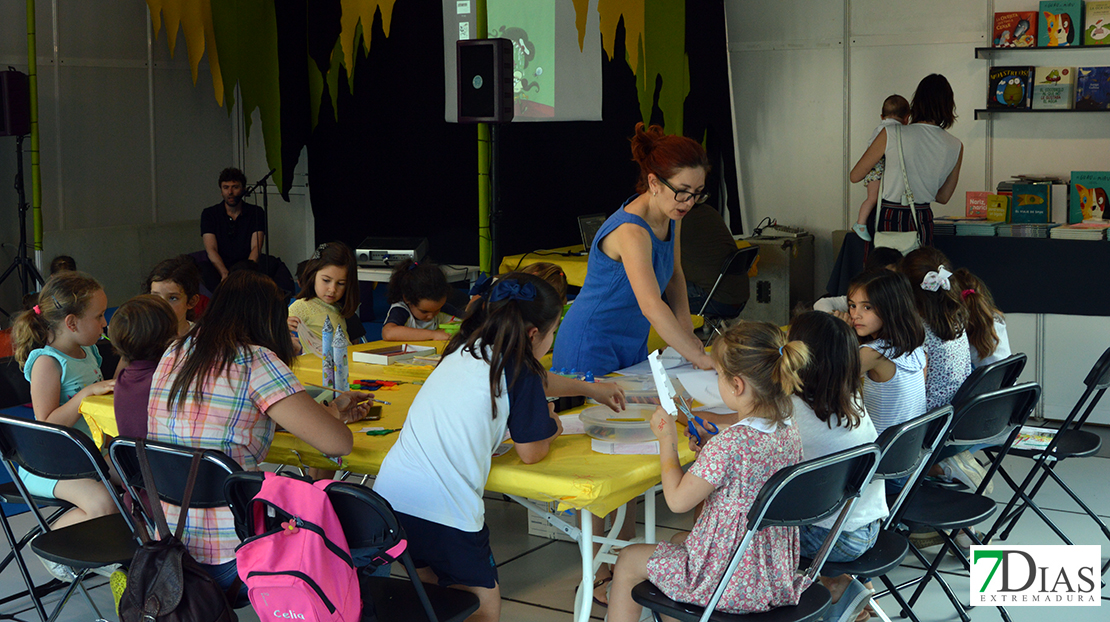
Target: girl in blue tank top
632	264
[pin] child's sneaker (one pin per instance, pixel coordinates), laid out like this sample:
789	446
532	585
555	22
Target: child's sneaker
118	583
861	231
956	470
58	571
965	458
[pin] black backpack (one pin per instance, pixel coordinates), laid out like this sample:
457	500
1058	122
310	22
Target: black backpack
164	582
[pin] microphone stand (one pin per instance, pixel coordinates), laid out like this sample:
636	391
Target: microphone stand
265	207
22	265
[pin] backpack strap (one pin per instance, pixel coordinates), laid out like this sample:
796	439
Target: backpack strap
156	502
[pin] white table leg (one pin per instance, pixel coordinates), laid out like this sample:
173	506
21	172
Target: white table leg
649	514
584	603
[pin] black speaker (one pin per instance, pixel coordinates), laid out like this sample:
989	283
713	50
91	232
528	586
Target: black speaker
485	80
15	103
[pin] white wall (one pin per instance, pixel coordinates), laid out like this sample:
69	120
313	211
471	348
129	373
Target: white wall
130	148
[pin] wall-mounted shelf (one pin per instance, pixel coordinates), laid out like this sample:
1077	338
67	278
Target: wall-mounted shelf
981	113
989	52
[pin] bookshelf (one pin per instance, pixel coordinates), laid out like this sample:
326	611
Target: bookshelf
992	53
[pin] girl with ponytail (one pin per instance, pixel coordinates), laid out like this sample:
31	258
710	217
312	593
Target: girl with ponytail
488	381
758	375
986	325
55	344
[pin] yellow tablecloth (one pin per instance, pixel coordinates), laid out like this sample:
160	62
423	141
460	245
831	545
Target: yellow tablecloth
574	265
571	474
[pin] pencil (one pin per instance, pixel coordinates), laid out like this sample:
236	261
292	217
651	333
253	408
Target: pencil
337	391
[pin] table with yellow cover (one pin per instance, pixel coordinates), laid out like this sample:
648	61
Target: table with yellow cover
571	474
572	259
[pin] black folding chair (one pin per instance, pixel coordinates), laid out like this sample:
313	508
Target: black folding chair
169	464
62	453
990	377
803	494
949	511
369	525
738	262
1070	441
905	449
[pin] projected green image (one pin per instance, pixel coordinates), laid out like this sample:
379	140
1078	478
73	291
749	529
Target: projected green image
531	28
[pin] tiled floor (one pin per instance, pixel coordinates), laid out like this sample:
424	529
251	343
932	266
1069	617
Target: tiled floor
538	576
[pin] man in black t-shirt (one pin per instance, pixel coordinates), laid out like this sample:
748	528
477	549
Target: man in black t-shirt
233	230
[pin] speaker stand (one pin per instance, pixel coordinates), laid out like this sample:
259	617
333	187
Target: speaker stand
21	264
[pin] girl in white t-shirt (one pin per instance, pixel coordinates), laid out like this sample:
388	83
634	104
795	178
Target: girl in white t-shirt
830	418
892	357
489	381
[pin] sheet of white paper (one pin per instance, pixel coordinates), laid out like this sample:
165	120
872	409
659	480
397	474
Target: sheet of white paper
670	362
701	384
572	424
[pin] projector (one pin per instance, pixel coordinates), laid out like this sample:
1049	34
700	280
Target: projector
388	252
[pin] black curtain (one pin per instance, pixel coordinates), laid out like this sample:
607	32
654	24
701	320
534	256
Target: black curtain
389	165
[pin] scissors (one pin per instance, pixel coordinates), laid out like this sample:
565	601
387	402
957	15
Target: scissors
668	395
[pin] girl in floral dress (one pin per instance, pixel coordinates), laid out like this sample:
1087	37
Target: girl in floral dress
758	373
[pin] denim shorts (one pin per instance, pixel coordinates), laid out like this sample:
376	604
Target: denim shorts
848	547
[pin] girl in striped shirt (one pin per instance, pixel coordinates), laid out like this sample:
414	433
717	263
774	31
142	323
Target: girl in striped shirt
892	354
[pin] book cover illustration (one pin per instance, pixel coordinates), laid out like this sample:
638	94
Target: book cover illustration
1031	437
1031	203
1097	23
1092	88
1059	22
1053	88
977	204
1089	193
1015	29
998	208
1010	88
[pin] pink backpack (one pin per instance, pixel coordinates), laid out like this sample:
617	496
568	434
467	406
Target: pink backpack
300	567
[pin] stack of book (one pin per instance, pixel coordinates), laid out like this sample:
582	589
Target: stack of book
984	228
947	225
1081	231
1028	230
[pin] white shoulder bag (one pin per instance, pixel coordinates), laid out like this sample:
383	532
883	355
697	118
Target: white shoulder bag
901	241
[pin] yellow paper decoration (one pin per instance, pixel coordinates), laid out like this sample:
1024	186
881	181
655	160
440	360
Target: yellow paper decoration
355	11
194	17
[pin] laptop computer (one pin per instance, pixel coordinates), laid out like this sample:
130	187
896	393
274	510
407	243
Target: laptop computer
589	226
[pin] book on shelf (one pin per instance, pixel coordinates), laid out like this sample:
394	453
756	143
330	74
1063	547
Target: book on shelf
1015	29
1053	88
1010	88
998	208
1060	201
1060	23
388	355
1092	88
1033	437
1031	203
976	203
1096	24
1089	192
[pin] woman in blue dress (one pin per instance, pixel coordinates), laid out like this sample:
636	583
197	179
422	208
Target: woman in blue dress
632	264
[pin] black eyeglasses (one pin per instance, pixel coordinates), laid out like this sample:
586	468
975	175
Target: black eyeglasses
683	196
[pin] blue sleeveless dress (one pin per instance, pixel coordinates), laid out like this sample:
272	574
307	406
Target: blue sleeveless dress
604	330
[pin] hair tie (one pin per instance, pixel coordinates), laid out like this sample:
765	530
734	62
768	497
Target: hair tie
780	350
967	292
482	285
513	290
38	311
934	281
